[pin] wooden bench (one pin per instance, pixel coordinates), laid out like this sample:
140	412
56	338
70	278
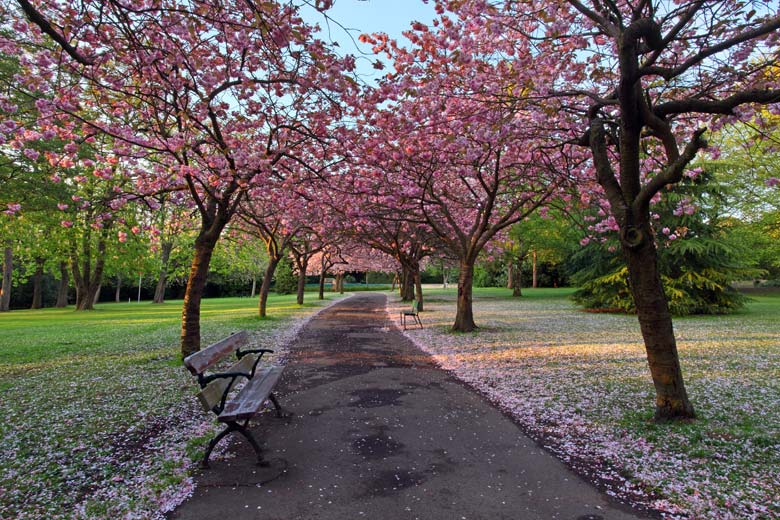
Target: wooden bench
413	312
222	392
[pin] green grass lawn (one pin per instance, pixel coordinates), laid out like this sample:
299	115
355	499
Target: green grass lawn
100	416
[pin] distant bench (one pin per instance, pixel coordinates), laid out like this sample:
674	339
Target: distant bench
220	391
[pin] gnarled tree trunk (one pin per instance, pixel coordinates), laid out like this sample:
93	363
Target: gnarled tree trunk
37	299
5	291
162	279
464	316
62	287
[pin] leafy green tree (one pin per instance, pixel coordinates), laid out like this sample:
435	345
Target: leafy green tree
286	279
697	265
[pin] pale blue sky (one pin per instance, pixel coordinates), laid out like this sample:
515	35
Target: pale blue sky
369	16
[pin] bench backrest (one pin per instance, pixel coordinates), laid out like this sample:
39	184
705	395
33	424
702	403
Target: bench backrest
202	360
212	396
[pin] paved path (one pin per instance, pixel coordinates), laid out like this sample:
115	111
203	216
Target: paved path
381	433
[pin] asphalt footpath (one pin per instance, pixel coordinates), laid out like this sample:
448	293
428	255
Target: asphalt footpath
378	431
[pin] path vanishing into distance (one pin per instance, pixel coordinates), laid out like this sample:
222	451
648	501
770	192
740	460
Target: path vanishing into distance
380	432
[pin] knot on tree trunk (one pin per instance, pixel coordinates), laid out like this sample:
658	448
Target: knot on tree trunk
632	237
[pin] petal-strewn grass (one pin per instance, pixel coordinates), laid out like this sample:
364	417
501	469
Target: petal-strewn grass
100	419
579	383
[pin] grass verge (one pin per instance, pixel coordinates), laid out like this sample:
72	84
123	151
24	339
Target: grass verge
100	420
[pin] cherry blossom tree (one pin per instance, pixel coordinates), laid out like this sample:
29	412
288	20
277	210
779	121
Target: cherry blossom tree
638	84
205	97
452	144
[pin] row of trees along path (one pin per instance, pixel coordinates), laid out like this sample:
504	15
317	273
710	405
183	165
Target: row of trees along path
492	112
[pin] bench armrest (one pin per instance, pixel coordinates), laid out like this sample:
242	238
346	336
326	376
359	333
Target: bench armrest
241	353
204	380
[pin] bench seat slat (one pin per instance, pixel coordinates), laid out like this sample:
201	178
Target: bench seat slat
203	359
212	394
250	399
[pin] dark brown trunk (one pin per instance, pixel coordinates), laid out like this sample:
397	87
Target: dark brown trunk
96	298
510	274
395	281
464	316
407	285
87	279
62	288
534	282
190	315
321	294
37	299
5	291
340	283
304	264
655	321
118	291
517	277
265	287
162	280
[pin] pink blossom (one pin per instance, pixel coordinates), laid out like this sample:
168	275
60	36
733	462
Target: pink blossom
66	223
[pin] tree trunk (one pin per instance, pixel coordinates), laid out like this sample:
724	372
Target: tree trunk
510	274
534	283
118	292
62	289
418	291
254	286
162	280
395	280
96	298
517	277
190	316
655	321
321	295
464	317
340	283
88	280
304	264
265	288
5	291
37	299
407	285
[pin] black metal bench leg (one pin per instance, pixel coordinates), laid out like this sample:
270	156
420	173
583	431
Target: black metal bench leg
279	410
213	443
243	430
418	320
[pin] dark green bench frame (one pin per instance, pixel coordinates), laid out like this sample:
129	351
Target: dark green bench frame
413	312
218	389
